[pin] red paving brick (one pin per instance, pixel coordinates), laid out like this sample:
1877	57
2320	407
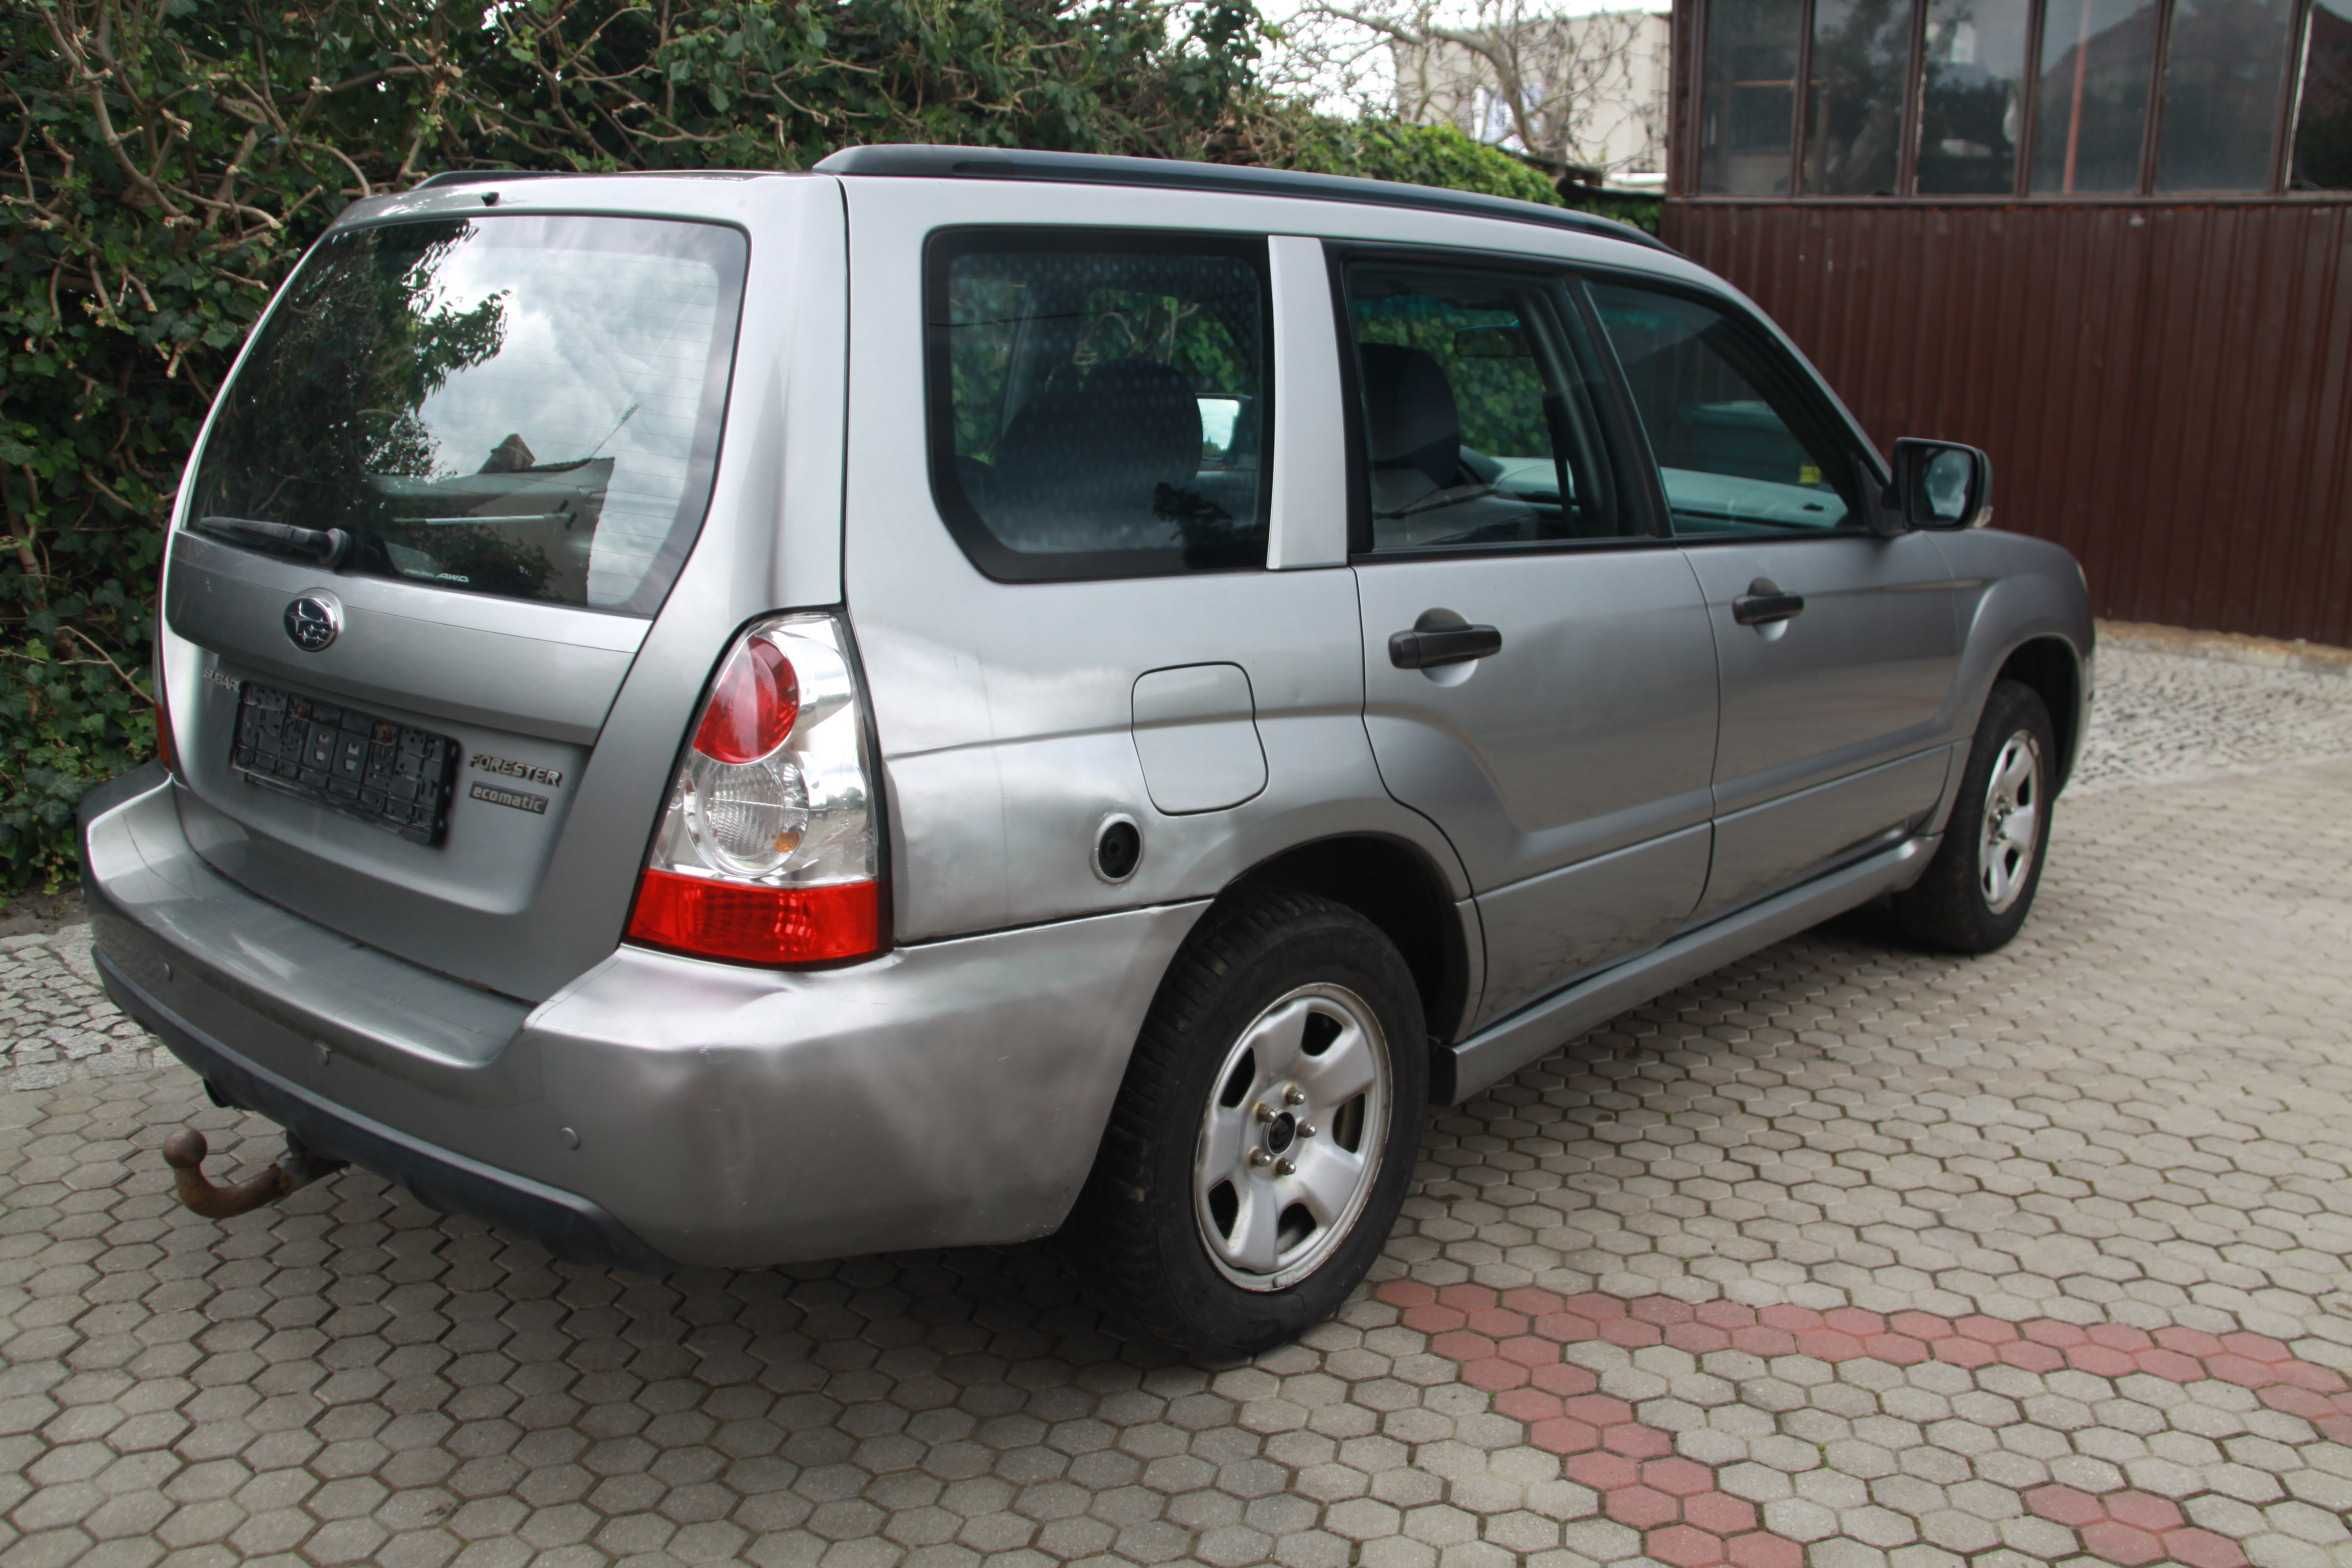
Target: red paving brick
1684	1547
2100	1361
1639	1506
1720	1512
1603	1472
1764	1550
2203	1549
2144	1510
1678	1477
1530	1405
1559	1435
1494	1374
1636	1441
2120	1543
1565	1380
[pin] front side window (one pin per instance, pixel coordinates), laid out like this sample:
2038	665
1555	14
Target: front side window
1100	404
512	405
1477	412
1738	452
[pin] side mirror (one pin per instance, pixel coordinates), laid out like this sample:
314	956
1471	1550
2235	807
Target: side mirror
1941	484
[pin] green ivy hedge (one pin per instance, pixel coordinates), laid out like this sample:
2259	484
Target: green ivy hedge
172	158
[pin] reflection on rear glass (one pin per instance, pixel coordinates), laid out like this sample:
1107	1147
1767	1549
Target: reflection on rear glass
519	406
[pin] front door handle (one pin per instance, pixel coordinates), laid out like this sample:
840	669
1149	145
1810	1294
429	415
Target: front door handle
1764	604
1423	650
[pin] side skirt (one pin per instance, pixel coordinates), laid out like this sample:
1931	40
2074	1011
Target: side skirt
1501	1049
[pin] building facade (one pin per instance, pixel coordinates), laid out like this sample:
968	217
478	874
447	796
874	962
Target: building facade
2110	241
1593	91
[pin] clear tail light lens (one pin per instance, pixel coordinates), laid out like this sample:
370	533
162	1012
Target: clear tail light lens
767	851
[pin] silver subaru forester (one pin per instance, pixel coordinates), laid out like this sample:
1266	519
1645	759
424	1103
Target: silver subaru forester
736	718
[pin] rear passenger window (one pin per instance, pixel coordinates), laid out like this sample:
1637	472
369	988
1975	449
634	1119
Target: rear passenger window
1099	403
1738	451
1477	411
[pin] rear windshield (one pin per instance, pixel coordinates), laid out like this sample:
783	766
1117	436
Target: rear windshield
512	405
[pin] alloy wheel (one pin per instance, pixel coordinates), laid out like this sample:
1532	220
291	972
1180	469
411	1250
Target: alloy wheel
1290	1142
2012	821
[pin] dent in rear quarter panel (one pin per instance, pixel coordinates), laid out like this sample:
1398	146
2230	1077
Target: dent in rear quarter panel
2013	590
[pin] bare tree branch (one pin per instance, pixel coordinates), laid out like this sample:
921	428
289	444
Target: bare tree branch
1568	91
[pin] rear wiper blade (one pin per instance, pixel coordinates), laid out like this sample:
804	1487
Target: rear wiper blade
325	546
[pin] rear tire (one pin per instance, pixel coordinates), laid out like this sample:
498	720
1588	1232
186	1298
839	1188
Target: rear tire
1981	884
1264	1139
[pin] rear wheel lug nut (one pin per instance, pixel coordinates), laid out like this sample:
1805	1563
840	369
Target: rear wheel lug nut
1259	1157
1294	1097
1285	1168
1306	1129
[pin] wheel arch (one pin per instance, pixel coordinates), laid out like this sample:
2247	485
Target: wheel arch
2027	617
1394	884
2049	666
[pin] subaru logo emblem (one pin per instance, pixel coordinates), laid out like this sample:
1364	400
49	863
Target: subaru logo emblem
314	621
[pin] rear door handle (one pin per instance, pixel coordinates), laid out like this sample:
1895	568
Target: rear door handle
1422	650
1764	603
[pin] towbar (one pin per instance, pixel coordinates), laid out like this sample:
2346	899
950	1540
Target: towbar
184	1152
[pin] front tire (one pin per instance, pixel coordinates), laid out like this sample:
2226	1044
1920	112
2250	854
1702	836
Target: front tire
1264	1139
1981	884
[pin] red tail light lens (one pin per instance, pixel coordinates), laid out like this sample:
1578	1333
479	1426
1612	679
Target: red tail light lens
767	851
756	924
752	705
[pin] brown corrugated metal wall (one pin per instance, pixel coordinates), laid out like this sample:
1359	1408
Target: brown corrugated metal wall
2165	389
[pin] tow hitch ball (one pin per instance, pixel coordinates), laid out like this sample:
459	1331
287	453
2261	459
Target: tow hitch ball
297	1168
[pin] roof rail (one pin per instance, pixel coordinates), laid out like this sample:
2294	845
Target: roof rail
449	177
1075	168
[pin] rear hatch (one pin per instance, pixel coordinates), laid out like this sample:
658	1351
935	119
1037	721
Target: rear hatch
424	550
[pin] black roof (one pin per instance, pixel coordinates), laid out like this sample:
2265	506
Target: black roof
1075	168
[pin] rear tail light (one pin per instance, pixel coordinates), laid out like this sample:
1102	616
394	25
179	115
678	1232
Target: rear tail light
767	852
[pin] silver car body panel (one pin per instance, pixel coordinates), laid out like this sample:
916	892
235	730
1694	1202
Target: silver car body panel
1571	769
1632	792
717	1114
1501	1049
2012	591
1834	723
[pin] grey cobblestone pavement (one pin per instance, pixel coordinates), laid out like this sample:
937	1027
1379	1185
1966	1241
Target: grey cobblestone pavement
1844	1256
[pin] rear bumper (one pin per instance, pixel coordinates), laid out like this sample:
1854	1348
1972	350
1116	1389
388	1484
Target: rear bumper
657	1108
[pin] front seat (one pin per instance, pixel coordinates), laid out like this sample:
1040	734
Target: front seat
1413	424
1091	467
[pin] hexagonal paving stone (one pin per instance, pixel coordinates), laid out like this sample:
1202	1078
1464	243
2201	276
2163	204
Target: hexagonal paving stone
1848	1249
